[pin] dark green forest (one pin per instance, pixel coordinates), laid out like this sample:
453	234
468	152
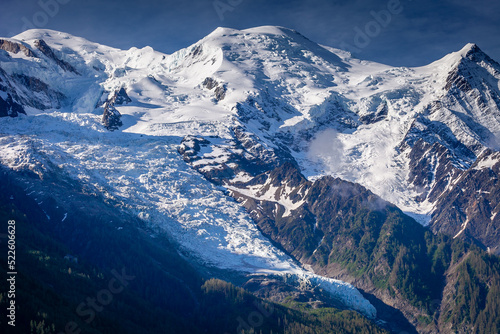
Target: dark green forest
345	231
62	268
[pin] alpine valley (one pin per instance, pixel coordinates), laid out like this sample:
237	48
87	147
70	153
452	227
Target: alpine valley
253	182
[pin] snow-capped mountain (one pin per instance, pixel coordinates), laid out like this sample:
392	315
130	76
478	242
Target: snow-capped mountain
174	138
137	167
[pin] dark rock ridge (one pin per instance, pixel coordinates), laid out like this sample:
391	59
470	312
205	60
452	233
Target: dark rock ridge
121	97
111	117
469	207
47	51
463	81
29	85
22	90
14	47
379	115
219	90
432	169
9	105
10	108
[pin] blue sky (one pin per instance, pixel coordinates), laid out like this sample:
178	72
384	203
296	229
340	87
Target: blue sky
395	32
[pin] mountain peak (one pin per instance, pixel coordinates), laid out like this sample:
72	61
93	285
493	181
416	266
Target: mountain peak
33	34
274	31
269	30
469	55
262	30
222	31
469	48
472	52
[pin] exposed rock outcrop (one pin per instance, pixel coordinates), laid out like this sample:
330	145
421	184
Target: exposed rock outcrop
9	107
14	47
219	89
469	207
47	51
121	97
380	114
210	83
111	118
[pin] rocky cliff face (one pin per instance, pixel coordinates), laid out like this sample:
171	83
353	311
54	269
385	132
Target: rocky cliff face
22	90
469	207
219	89
111	117
8	106
47	51
15	47
452	136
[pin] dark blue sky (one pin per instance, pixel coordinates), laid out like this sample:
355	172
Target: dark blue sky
395	32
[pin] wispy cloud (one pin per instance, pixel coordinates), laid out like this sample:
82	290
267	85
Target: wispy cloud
326	148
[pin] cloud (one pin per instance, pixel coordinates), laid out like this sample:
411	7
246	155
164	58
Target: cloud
326	148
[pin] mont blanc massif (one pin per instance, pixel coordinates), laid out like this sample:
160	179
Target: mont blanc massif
253	182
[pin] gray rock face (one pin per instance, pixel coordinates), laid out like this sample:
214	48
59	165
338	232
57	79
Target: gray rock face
432	169
47	51
15	48
210	83
22	91
9	107
219	90
29	85
111	117
121	97
380	114
469	208
220	93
